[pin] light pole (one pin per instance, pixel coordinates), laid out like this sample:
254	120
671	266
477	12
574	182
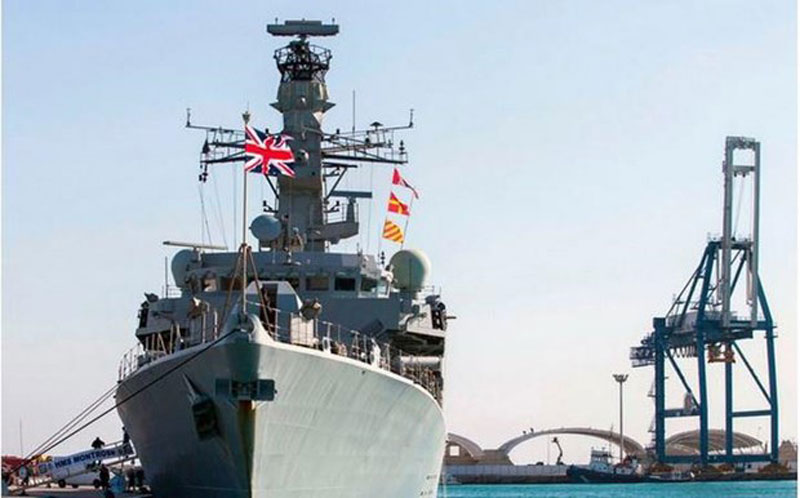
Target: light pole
620	378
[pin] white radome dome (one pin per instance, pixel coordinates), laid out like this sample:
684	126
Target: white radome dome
410	268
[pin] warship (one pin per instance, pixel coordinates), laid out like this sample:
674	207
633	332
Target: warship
286	369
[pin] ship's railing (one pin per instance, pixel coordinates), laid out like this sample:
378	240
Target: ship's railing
345	212
154	347
289	328
128	363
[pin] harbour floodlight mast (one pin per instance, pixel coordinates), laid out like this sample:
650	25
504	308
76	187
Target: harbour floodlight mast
709	317
620	379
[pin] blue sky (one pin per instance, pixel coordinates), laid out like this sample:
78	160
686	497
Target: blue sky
567	152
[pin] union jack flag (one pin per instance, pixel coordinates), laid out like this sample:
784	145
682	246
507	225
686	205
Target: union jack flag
267	154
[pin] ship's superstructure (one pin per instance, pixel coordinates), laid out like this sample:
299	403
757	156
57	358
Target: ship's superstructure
288	369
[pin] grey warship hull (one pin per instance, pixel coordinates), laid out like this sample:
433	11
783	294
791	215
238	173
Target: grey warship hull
335	428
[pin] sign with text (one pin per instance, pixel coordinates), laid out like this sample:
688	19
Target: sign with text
81	461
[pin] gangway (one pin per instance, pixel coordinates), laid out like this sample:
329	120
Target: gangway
83	462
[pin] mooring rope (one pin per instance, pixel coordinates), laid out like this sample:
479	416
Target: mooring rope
58	437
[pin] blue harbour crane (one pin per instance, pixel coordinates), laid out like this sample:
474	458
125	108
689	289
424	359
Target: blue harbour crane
722	303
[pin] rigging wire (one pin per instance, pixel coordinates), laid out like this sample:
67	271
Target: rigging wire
408	219
235	207
220	217
72	423
59	436
125	400
369	210
204	228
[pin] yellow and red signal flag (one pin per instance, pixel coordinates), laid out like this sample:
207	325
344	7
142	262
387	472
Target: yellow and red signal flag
399	180
392	232
395	206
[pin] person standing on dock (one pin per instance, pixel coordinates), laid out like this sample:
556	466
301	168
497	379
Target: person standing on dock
24	475
126	442
104	477
130	475
139	479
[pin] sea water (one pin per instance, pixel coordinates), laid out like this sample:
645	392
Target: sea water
746	489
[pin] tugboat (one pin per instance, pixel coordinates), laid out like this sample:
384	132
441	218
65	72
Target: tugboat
287	369
601	470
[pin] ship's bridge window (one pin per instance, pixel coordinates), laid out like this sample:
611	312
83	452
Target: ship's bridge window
227	283
317	283
294	282
368	284
344	283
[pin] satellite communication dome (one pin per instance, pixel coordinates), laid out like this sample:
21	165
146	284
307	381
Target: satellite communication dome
180	266
265	228
410	268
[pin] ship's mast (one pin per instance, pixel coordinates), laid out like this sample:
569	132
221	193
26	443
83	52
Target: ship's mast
303	100
307	208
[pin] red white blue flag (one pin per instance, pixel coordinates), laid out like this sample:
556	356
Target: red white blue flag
267	154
